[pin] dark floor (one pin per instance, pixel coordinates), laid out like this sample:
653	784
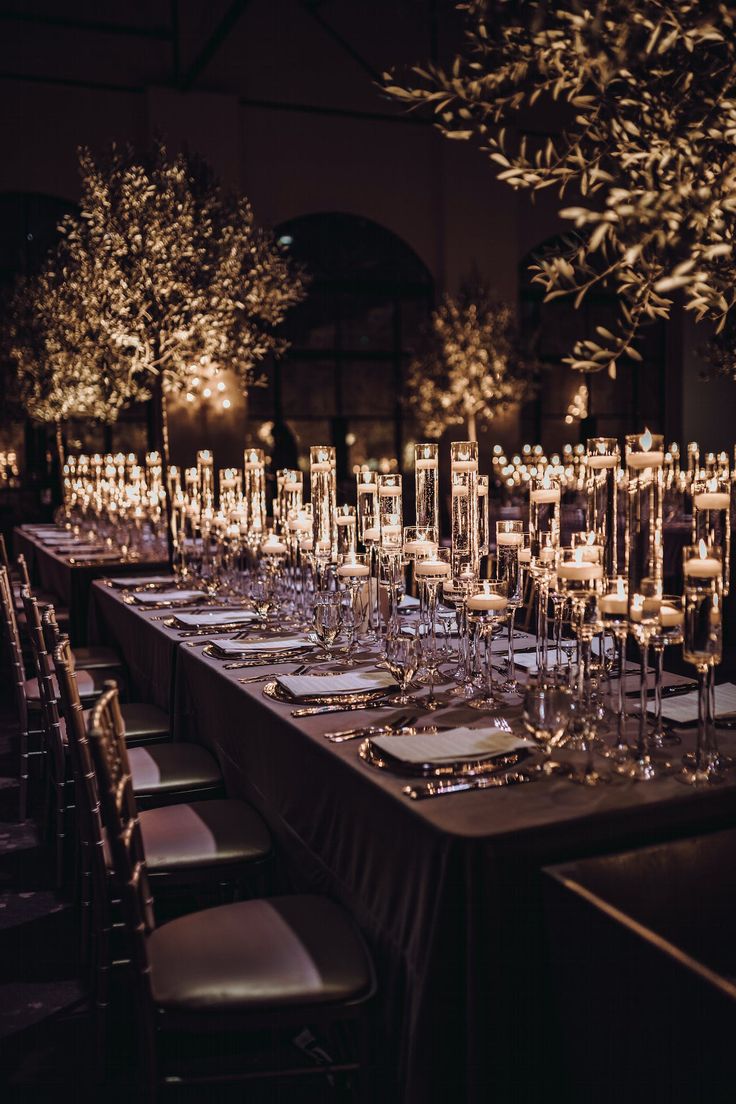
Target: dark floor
45	1018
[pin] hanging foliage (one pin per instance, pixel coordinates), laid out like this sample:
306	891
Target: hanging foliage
471	366
646	95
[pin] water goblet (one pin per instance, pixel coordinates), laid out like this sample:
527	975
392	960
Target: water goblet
402	659
546	714
327	617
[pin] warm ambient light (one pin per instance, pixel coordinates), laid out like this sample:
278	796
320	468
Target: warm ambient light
646	441
207	392
702	549
225	404
221	386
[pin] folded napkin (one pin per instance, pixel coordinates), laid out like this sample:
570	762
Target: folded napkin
684	708
256	647
151	597
125	581
451	746
216	617
528	660
353	682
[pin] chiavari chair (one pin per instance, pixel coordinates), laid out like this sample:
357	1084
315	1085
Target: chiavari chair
264	964
17	673
21	576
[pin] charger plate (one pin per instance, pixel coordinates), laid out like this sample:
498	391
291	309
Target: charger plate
459	768
277	692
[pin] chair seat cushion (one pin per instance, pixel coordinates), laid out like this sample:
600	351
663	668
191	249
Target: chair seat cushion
258	955
203	834
143	722
91	684
96	656
171	768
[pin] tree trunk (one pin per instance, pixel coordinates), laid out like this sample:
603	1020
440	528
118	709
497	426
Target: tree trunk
472	428
161	425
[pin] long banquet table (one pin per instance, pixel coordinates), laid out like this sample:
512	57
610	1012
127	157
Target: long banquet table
70	578
447	891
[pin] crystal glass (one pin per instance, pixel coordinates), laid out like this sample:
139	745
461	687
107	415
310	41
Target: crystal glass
509	540
327	617
403	653
426	475
254	490
345	520
546	714
602	461
544	512
703	647
390	511
483	536
487	608
431	573
465	546
613	607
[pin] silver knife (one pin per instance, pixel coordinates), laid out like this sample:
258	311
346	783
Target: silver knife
318	710
418	791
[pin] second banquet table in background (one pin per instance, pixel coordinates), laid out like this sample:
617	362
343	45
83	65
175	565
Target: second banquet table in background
447	891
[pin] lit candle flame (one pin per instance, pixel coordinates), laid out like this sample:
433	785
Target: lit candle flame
646	441
702	549
578	555
620	588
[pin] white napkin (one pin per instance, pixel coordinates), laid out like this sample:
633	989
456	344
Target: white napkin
303	686
216	617
280	644
140	580
153	596
457	743
528	660
684	708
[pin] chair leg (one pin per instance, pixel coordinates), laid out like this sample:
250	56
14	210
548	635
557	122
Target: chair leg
23	774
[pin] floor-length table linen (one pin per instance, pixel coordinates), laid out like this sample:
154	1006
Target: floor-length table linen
446	891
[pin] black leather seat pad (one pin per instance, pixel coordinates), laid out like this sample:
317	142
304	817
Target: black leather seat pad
203	834
167	768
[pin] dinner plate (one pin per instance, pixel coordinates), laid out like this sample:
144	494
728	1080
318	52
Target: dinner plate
459	768
277	692
254	658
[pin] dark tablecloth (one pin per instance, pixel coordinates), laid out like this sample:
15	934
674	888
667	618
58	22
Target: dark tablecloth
71	583
446	891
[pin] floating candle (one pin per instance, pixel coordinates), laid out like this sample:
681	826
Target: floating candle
421	465
420	548
291	486
544	495
645	459
307	545
487	602
464	466
354	570
579	572
343	520
459	490
389	492
321	466
323	546
392	531
273	548
431	567
601	461
373	533
703	567
670	617
613	605
512	540
712	500
367	488
525	555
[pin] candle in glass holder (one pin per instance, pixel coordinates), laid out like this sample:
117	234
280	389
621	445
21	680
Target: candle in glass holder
712	519
544	512
483	522
322	464
390	511
426	475
465	548
346	530
644	515
367	505
602	463
254	463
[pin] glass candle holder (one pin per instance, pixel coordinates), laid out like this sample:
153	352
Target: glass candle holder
345	520
483	522
353	572
487	608
544	511
613	607
465	544
703	647
432	573
367	507
206	477
254	490
712	519
509	540
603	460
323	481
390	512
669	631
426	476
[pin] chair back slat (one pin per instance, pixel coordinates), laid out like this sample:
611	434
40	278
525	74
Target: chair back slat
47	686
23	573
4	560
13	646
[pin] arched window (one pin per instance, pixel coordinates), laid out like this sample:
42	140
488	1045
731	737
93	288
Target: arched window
635	397
350	340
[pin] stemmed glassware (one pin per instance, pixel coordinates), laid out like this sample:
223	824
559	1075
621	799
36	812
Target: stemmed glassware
613	607
487	607
643	623
403	651
509	539
703	647
327	617
353	571
541	566
669	631
432	572
546	714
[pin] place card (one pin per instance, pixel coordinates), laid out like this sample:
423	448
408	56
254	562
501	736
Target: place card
683	708
352	682
451	746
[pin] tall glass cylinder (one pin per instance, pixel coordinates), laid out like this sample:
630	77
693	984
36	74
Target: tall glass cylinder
712	519
390	512
292	496
346	535
544	512
254	464
602	464
231	484
426	474
465	543
367	507
483	533
322	465
703	647
509	539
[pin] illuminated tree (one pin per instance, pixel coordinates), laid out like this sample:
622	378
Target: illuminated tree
471	366
647	96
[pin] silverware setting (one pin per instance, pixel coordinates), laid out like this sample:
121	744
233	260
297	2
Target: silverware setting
347	707
303	670
420	791
371	730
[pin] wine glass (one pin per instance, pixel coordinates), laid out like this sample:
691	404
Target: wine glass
403	654
546	714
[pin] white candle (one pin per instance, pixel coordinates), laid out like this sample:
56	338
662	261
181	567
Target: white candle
321	466
459	490
482	490
391	531
707	567
291	486
420	548
614	604
670	616
273	548
546	555
545	495
580	572
596	461
464	466
366	488
431	567
343	520
373	533
389	492
323	546
253	465
487	602
525	555
645	459
711	500
307	545
423	465
512	540
355	570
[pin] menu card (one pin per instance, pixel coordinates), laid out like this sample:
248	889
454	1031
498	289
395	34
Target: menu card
451	746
